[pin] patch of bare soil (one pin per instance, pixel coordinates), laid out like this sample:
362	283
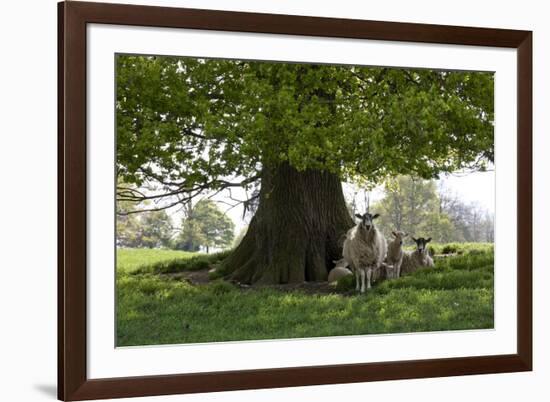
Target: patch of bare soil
193	277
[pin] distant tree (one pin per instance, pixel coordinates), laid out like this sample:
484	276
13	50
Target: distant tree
440	227
488	228
191	236
142	230
127	225
416	206
472	223
205	226
156	229
411	205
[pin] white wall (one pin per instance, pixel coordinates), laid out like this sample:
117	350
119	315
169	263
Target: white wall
28	197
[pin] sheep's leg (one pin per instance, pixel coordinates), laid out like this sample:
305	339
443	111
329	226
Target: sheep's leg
398	269
357	283
369	276
362	281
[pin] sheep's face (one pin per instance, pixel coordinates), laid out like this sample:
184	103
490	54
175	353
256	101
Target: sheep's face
367	220
422	244
399	236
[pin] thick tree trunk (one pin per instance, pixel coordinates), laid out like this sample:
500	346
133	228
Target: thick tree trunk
296	231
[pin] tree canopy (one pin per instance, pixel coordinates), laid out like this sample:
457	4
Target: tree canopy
188	125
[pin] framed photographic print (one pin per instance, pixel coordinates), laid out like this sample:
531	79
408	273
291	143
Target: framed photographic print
253	200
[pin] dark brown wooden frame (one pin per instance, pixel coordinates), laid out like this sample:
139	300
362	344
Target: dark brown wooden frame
73	383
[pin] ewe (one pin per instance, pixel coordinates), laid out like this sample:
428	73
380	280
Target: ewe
418	258
395	254
364	250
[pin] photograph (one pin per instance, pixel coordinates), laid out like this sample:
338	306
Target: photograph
260	200
239	201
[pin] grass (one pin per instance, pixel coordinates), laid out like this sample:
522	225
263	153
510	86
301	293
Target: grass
456	294
460	248
154	261
132	259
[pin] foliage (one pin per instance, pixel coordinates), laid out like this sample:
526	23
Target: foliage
408	205
205	226
148	229
457	294
414	205
127	227
186	125
191	236
472	224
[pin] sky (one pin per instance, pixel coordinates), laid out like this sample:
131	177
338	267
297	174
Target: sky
476	187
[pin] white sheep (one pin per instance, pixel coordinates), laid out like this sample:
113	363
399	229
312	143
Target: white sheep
418	258
395	254
339	271
340	263
364	249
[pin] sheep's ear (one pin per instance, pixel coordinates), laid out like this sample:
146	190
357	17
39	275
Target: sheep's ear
413	239
393	233
375	216
358	216
429	239
405	234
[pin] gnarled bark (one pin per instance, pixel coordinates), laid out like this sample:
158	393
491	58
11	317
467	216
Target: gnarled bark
294	235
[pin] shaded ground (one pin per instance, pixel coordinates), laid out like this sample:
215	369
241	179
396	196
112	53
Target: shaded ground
193	277
201	277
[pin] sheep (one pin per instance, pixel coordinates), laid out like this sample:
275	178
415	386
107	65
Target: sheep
364	249
395	254
418	258
339	271
384	271
341	263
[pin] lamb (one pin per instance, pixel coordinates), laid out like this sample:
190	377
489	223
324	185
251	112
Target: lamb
418	258
384	271
364	249
339	271
341	263
395	254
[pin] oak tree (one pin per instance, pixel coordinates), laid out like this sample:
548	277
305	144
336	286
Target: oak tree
189	126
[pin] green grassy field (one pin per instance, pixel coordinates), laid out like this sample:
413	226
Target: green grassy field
157	304
129	260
